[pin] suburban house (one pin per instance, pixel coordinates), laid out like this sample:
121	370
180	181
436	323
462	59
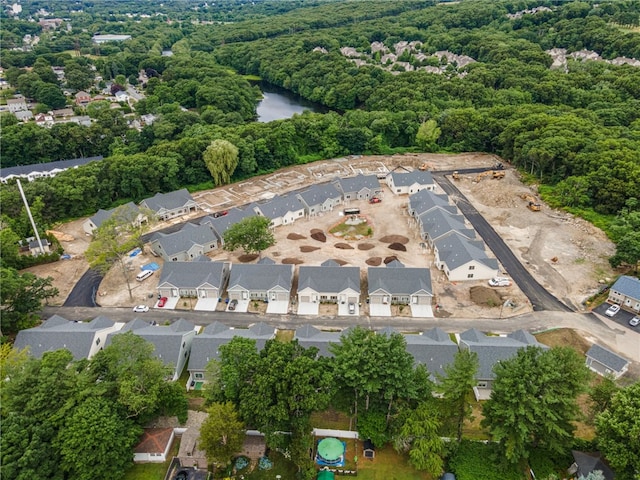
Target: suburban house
407	183
82	98
325	284
399	285
438	222
206	345
82	339
492	349
172	343
44	120
281	209
606	363
360	187
309	336
626	292
264	281
202	280
190	242
320	198
425	200
434	349
222	223
24	115
102	216
34	247
170	205
585	463
463	259
154	445
17	104
40	170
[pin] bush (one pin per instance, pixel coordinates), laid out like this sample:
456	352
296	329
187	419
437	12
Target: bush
241	463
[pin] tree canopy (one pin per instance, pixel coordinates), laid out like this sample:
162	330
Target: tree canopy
252	234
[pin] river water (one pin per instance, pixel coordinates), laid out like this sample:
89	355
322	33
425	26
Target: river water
278	104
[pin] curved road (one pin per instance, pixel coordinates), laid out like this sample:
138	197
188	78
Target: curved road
84	291
540	298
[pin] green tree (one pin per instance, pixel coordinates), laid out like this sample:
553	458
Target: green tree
221	158
457	387
252	234
50	95
618	432
427	136
115	238
222	433
21	298
9	248
533	401
601	395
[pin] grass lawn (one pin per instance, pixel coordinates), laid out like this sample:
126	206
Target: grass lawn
330	419
152	471
388	465
349	232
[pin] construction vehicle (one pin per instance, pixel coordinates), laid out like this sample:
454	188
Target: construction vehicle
481	175
532	204
425	166
455	175
498	174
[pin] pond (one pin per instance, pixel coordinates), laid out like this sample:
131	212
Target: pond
278	104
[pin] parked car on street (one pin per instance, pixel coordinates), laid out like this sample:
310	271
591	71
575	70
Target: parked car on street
635	321
375	200
162	302
140	308
612	310
500	282
232	304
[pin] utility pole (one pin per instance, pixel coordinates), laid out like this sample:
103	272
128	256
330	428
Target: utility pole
33	224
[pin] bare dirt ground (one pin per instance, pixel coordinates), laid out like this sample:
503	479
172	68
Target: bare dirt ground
536	237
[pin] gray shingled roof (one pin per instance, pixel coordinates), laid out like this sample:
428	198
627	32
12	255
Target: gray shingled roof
406	179
438	222
191	274
357	183
456	250
261	276
185	238
47	167
222	224
168	201
266	261
628	286
330	263
425	200
589	462
57	333
309	336
205	347
494	349
607	358
319	193
102	216
167	340
433	349
329	279
280	205
399	281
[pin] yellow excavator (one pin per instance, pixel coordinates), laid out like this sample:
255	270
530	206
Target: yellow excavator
455	175
532	204
498	174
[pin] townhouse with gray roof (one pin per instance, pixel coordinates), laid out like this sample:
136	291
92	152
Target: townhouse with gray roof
201	280
43	170
130	210
320	198
281	209
327	284
187	244
267	282
82	339
433	348
626	293
437	222
206	346
309	336
360	187
222	223
407	183
18	104
399	285
463	259
492	349
172	343
605	362
425	200
170	205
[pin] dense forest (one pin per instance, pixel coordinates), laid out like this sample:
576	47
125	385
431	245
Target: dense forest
575	129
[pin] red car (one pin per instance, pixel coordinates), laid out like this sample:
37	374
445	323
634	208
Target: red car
220	214
162	302
374	200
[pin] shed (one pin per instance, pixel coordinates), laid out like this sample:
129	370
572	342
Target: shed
605	362
368	449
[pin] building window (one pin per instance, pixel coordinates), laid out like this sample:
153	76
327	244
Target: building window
470	275
472	267
97	341
198	375
482	384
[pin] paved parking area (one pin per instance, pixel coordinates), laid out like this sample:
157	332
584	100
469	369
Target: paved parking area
206	304
242	306
281	307
621	318
379	310
343	310
308	308
421	311
170	305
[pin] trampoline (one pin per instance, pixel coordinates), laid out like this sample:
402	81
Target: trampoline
330	452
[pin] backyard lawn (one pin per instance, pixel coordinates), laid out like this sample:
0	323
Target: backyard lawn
388	465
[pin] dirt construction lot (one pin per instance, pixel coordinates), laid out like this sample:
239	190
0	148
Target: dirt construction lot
565	254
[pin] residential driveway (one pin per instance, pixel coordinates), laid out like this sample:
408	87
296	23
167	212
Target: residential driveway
281	307
379	310
206	304
343	310
421	311
171	304
242	306
621	318
308	308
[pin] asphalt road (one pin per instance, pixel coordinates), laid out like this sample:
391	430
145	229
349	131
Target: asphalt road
540	298
84	291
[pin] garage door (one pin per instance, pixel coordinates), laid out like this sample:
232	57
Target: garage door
305	299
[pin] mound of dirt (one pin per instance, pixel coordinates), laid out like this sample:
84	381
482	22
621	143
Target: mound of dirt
481	295
340	262
390	259
365	246
308	248
373	261
292	261
247	257
398	247
318	235
61	236
296	236
343	246
395	239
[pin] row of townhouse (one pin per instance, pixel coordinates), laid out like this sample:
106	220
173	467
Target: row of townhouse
458	252
182	344
273	283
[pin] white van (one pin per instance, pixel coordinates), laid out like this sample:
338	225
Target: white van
144	275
